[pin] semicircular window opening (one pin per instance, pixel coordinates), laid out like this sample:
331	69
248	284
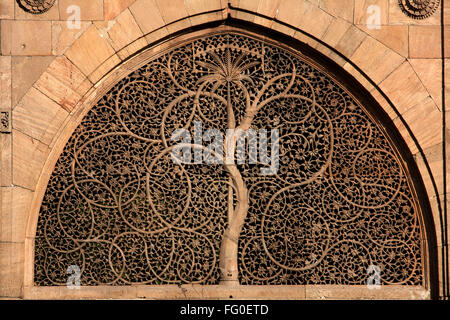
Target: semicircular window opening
143	192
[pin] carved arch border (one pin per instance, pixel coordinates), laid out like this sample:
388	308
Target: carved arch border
133	62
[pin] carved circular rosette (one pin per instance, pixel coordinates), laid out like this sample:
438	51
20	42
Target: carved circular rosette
418	9
36	6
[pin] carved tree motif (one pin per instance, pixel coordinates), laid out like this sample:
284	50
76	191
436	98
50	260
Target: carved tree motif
121	209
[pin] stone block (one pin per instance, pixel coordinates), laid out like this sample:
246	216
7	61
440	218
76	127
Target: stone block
268	8
130	49
147	15
251	5
336	30
27	71
15	205
206	17
112	8
425	41
394	37
124	31
5	83
365	9
5	160
90	50
7	9
314	20
38	116
28	159
172	10
342	9
63	95
63	36
350	41
375	59
404	88
89	9
422	119
199	6
11	269
67	73
429	72
290	12
103	69
26	38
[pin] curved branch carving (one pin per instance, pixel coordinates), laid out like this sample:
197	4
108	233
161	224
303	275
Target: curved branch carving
120	208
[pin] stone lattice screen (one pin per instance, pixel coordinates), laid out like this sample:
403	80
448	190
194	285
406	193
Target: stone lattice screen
118	207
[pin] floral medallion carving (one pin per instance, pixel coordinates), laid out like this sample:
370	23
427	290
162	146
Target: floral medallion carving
419	9
36	6
121	209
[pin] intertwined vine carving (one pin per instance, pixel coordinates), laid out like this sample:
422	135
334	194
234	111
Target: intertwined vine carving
118	207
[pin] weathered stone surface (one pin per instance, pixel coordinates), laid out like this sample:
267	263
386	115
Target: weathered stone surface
172	11
336	30
350	41
67	73
5	82
394	37
315	21
127	51
5	160
290	11
57	91
22	38
364	12
147	15
112	8
89	9
425	41
38	116
358	76
90	50
156	35
375	59
124	31
7	9
11	269
27	71
104	68
206	17
362	292
429	72
199	6
447	86
433	183
251	5
15	204
28	159
423	115
267	8
447	40
63	36
342	8
404	88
